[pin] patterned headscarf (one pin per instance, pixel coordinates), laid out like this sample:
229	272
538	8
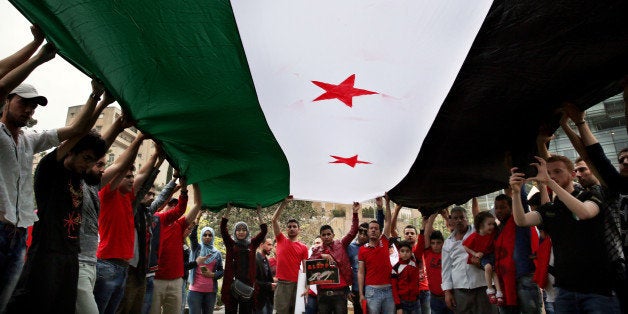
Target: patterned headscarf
247	240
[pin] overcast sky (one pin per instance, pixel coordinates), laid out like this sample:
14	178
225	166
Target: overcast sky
62	84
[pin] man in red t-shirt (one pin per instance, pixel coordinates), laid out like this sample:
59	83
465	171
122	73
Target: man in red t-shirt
116	228
374	269
168	283
290	255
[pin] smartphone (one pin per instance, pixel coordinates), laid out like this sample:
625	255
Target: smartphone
523	163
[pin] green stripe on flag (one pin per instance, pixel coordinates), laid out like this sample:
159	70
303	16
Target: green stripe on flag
180	69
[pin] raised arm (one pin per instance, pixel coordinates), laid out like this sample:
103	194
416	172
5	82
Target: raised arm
522	219
355	222
261	236
145	171
387	217
122	164
429	228
379	212
198	201
86	112
17	75
393	221
11	62
85	119
163	196
475	207
224	230
277	214
542	139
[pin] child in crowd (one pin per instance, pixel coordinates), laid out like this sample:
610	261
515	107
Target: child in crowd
405	281
480	244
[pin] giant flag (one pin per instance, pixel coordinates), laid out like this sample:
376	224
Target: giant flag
342	100
327	100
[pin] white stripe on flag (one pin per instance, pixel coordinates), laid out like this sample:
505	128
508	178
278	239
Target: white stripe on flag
408	52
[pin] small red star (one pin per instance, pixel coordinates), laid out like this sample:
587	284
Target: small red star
343	91
351	161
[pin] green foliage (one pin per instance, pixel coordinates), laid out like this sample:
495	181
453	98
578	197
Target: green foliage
338	213
368	212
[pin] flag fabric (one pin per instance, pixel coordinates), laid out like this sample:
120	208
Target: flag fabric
255	100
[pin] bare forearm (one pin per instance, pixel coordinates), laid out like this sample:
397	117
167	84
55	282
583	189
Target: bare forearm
11	62
582	210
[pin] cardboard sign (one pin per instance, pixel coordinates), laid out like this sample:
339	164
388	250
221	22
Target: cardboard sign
319	271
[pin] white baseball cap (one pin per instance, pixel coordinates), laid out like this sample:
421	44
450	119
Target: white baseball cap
28	91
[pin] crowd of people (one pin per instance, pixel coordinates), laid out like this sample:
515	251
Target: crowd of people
104	240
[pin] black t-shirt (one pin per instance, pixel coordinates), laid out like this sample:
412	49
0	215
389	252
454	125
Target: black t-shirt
59	197
580	263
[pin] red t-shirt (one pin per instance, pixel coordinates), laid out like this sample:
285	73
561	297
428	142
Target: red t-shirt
480	243
433	268
289	257
171	250
418	250
376	262
115	224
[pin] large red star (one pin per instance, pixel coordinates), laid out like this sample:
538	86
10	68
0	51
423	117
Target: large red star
351	161
343	91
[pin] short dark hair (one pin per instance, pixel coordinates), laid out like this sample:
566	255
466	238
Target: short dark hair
375	222
407	244
325	227
437	235
480	218
563	159
625	149
504	197
579	159
410	227
293	220
364	225
91	141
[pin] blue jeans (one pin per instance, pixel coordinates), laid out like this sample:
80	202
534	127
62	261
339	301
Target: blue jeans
311	307
410	307
148	297
109	288
424	298
438	305
590	303
529	298
201	302
379	300
12	251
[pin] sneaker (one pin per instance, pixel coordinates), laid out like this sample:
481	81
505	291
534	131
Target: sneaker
500	301
492	298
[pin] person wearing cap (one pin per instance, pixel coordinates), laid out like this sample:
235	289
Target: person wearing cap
15	114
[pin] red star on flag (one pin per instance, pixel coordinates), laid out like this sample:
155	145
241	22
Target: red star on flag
343	91
351	161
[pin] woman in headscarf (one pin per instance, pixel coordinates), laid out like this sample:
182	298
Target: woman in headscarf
203	278
240	263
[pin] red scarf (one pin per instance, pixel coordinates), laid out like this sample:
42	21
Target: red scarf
542	262
504	263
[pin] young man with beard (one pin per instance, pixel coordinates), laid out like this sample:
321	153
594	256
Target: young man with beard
332	298
264	279
50	275
615	185
574	223
290	255
19	101
94	179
